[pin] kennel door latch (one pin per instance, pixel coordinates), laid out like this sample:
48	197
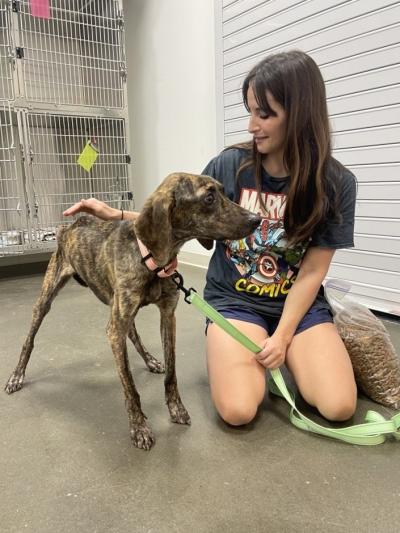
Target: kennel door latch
120	19
19	52
123	72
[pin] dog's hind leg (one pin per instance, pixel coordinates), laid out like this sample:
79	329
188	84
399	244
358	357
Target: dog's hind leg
153	364
57	274
118	327
168	330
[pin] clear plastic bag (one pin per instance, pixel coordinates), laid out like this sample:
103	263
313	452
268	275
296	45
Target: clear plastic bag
375	361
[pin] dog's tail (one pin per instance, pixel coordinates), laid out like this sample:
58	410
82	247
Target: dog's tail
79	280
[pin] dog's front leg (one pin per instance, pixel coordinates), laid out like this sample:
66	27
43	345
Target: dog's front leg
168	329
118	327
57	274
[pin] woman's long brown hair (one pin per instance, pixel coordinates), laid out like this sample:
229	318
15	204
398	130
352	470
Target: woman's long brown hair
296	83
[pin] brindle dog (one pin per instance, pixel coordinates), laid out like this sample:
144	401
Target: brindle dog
105	257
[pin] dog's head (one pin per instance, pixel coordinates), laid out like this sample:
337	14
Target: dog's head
189	206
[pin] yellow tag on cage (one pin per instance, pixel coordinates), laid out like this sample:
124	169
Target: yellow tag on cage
88	156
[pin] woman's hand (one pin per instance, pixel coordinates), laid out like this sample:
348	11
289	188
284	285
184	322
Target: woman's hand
273	353
94	207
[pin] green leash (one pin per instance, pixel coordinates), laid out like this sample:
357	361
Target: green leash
374	430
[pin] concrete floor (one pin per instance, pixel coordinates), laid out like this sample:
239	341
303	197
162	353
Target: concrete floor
67	463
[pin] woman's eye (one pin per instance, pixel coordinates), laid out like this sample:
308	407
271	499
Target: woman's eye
209	198
264	115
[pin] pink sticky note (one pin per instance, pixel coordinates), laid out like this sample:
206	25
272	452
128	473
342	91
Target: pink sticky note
40	8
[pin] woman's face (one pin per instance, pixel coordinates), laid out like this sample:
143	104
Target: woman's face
268	130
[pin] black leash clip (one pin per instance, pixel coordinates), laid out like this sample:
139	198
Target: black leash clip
178	280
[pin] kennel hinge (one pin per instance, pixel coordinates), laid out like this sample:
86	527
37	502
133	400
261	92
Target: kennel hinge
123	72
26	154
11	56
120	19
128	159
19	52
15	6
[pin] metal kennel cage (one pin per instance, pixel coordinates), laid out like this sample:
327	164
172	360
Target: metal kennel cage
13	220
63	83
6	55
76	56
55	182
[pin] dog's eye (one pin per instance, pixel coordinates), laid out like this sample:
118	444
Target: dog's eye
209	198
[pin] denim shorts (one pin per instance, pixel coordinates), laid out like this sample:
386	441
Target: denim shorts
313	317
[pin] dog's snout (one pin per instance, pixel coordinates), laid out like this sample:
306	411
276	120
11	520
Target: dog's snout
256	220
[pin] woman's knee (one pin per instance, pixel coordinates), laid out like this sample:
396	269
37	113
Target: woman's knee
338	409
237	413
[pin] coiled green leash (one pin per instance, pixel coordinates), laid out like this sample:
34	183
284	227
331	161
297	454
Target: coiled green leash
374	430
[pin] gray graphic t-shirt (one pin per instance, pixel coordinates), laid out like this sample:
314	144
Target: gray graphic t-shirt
257	272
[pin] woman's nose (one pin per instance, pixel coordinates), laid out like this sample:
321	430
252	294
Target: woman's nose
253	125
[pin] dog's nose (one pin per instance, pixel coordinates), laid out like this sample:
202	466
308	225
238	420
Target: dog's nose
256	220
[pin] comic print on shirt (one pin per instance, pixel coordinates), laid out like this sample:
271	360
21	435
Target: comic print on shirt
266	264
257	273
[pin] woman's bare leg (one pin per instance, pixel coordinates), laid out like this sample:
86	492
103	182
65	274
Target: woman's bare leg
322	369
236	379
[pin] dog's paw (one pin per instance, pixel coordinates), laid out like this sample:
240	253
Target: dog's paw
178	413
142	437
15	383
154	365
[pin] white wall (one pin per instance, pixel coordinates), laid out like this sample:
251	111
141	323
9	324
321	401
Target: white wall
171	90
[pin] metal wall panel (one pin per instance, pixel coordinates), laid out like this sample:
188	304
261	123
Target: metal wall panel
382	226
380	116
384	171
378	208
368	155
376	243
356	45
311	32
367	137
371	260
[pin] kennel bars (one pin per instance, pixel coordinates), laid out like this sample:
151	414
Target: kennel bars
76	56
13	221
63	84
6	56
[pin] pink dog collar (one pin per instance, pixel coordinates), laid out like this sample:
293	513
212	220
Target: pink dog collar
147	259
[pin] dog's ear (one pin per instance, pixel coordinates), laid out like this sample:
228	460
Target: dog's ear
154	225
206	243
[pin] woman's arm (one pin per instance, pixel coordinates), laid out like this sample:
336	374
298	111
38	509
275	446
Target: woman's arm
313	270
100	209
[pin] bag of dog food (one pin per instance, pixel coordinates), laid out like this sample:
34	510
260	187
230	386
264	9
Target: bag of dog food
375	362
